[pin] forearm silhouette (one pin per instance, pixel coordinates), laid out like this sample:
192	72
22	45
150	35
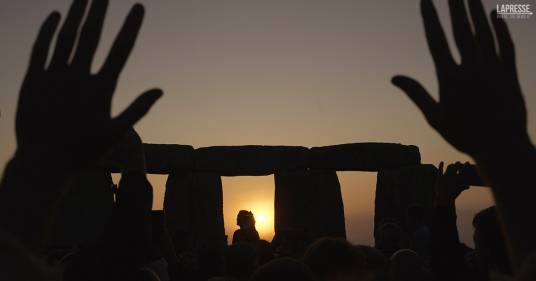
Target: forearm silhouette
481	111
447	252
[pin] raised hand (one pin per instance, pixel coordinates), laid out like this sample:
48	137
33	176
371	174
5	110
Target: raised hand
448	187
480	109
64	110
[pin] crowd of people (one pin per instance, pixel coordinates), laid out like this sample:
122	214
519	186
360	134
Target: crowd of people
64	126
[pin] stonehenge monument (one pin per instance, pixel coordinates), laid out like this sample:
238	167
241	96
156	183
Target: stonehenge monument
307	190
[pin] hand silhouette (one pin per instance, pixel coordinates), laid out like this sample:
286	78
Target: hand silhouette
447	186
64	110
480	108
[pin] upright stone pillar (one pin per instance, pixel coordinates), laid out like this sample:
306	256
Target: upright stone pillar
207	207
311	201
398	189
194	210
291	206
178	207
327	207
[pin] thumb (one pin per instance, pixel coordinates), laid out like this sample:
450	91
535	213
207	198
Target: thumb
418	94
136	110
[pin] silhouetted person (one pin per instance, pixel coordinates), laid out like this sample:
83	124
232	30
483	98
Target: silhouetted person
265	250
481	111
407	265
247	232
336	259
419	232
127	247
241	260
375	262
490	246
452	259
63	121
291	242
390	237
283	269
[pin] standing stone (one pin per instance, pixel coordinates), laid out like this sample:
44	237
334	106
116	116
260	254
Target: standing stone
178	206
194	209
398	189
207	207
291	207
327	205
311	201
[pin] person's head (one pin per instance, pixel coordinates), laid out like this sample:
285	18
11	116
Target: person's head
241	260
389	238
245	219
406	265
376	262
291	242
283	269
335	259
490	246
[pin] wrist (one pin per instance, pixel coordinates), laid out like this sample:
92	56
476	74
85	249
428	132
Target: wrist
508	166
513	150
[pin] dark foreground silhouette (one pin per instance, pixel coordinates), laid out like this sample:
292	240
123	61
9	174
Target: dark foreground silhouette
64	129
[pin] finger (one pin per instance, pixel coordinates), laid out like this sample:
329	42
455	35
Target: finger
123	43
41	46
67	35
451	170
483	35
90	35
459	167
506	44
416	92
440	168
462	30
136	110
437	42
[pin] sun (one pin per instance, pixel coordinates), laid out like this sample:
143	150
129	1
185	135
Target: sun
263	222
261	218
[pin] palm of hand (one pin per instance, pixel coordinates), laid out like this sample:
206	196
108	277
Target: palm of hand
479	97
64	111
476	103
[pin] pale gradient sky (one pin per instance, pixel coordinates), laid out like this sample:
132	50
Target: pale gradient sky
277	72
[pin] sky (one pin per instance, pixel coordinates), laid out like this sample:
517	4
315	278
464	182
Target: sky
277	72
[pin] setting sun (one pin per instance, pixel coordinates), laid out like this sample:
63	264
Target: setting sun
261	218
